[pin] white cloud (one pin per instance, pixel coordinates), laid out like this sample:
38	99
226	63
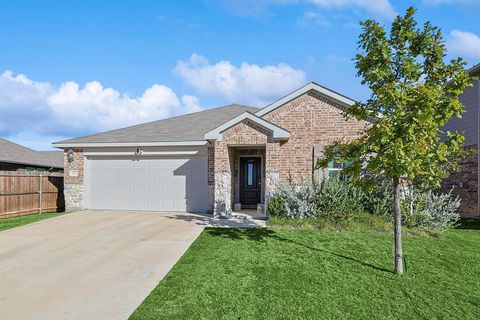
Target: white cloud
247	83
464	43
256	8
71	110
379	8
313	17
450	2
191	103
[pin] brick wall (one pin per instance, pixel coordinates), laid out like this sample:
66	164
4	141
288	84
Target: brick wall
76	164
312	120
465	184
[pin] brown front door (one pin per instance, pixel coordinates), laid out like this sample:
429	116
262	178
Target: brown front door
250	182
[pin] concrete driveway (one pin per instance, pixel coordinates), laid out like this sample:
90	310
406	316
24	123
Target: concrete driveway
90	264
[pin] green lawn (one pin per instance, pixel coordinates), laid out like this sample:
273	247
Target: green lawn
288	273
20	221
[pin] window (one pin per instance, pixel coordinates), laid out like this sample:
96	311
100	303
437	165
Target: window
250	174
335	170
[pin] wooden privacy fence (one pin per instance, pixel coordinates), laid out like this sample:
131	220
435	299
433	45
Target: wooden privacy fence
27	193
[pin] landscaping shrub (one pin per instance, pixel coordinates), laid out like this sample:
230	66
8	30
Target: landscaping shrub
299	200
337	196
379	201
443	209
427	209
339	200
276	206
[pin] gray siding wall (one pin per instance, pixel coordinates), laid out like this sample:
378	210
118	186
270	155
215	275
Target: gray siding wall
469	121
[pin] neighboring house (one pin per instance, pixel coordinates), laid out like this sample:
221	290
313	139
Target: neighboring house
14	157
465	181
210	161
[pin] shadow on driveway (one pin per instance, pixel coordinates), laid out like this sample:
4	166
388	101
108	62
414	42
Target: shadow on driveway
207	220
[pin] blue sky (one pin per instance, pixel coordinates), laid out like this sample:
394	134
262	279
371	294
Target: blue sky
70	68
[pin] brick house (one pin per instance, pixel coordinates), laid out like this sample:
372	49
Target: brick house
213	161
465	181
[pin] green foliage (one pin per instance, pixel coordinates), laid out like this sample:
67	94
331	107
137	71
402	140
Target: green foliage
359	222
344	202
276	206
337	196
379	200
414	94
306	200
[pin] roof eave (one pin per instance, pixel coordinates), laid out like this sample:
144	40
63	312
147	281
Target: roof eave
62	145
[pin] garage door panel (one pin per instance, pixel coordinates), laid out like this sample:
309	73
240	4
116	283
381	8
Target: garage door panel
120	202
158	184
123	189
153	204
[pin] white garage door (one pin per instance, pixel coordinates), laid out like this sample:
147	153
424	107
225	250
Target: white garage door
159	184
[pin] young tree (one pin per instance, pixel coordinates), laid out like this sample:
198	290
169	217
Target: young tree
414	93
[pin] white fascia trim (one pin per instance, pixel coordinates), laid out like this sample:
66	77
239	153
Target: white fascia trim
144	153
128	144
278	133
303	90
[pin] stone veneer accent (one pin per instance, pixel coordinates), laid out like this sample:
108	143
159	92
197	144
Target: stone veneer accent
465	185
312	120
73	196
73	186
223	187
210	178
271	181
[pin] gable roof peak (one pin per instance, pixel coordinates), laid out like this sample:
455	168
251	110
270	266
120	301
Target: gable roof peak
337	97
278	132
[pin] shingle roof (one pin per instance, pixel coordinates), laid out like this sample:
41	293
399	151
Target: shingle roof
11	152
189	127
475	70
53	157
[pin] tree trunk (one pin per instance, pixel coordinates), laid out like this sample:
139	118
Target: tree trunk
398	227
